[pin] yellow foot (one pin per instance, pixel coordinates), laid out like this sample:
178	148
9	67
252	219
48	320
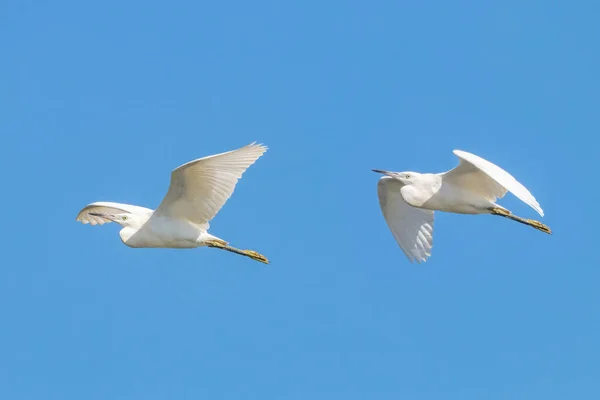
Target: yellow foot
256	256
538	225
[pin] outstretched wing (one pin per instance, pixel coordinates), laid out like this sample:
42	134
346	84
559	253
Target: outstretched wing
201	187
412	227
106	207
487	180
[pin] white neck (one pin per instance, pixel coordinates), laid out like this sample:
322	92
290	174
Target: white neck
418	193
126	233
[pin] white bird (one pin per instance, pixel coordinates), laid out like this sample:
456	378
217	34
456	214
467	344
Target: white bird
408	200
197	191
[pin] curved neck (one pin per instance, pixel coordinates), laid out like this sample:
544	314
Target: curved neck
126	233
418	193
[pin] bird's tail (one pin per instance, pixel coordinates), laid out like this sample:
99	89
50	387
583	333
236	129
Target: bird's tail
533	223
223	245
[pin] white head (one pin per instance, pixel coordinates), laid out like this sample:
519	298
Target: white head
406	177
124	219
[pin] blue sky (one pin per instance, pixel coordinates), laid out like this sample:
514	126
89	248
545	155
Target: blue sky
101	100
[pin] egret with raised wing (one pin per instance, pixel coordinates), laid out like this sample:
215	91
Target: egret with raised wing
408	200
197	191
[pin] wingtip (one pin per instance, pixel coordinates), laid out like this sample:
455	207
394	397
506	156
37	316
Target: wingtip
536	206
258	145
462	153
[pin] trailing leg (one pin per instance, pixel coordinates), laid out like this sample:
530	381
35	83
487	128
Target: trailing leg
221	244
507	214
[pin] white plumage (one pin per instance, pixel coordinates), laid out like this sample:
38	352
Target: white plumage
197	191
408	200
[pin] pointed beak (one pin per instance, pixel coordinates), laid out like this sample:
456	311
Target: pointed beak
380	171
106	216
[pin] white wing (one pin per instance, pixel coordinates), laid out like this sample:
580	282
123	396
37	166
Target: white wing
201	187
412	227
487	180
105	207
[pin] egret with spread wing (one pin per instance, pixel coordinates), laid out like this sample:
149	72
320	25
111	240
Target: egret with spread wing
408	200
197	191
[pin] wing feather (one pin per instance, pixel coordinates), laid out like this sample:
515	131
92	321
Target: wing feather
412	227
199	188
106	207
487	180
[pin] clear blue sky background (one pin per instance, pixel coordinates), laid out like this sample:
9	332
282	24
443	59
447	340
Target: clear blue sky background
101	100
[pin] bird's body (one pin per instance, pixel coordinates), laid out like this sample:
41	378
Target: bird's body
429	191
197	192
408	200
162	232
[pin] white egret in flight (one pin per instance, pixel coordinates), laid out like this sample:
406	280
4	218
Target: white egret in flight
197	191
408	200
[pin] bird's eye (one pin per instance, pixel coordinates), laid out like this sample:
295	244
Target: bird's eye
124	217
407	176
